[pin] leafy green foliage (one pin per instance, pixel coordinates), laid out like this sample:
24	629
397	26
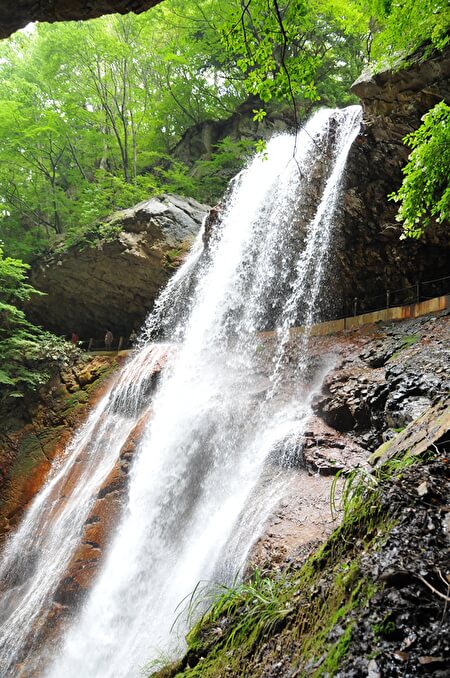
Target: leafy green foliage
285	49
256	604
91	111
399	28
86	107
425	191
211	176
26	351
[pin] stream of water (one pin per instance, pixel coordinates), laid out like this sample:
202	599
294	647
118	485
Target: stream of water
198	491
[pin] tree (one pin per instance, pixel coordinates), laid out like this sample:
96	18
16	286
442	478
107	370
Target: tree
19	339
425	192
90	111
27	353
405	25
282	47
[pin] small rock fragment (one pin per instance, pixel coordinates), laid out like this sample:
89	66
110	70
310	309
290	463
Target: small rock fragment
431	660
373	670
422	490
402	656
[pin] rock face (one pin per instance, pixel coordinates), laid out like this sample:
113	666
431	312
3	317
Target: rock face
15	14
66	398
198	142
113	282
36	429
385	378
369	258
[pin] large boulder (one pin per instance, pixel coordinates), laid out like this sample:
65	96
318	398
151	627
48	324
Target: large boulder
15	14
112	282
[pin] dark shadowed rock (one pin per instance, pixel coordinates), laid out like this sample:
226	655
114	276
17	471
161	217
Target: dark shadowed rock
368	257
15	14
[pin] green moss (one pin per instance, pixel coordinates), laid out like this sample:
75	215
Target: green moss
72	400
29	456
49	436
385	629
405	343
410	340
336	653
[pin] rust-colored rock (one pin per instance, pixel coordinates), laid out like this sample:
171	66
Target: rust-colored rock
100	523
37	430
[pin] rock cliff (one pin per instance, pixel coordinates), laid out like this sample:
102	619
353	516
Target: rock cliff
198	142
112	282
369	258
36	429
15	14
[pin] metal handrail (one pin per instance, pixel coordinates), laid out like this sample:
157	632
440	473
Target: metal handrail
361	306
123	342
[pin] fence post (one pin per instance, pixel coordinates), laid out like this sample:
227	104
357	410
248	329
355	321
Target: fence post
91	341
355	305
388	298
417	292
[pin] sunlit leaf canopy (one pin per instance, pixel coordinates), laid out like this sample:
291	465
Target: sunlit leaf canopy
90	112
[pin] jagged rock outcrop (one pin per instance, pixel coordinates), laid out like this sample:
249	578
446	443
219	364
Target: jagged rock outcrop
369	258
15	14
113	282
387	380
198	142
383	378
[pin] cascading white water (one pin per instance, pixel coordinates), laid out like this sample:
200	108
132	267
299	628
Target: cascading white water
196	500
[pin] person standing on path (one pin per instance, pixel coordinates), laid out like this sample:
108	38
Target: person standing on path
132	338
109	338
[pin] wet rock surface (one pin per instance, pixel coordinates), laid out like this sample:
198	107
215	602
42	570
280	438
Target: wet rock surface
406	629
105	509
368	369
396	372
403	631
99	526
36	430
112	283
372	602
300	523
381	378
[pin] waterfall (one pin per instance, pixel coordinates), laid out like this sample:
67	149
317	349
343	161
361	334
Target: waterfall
198	487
